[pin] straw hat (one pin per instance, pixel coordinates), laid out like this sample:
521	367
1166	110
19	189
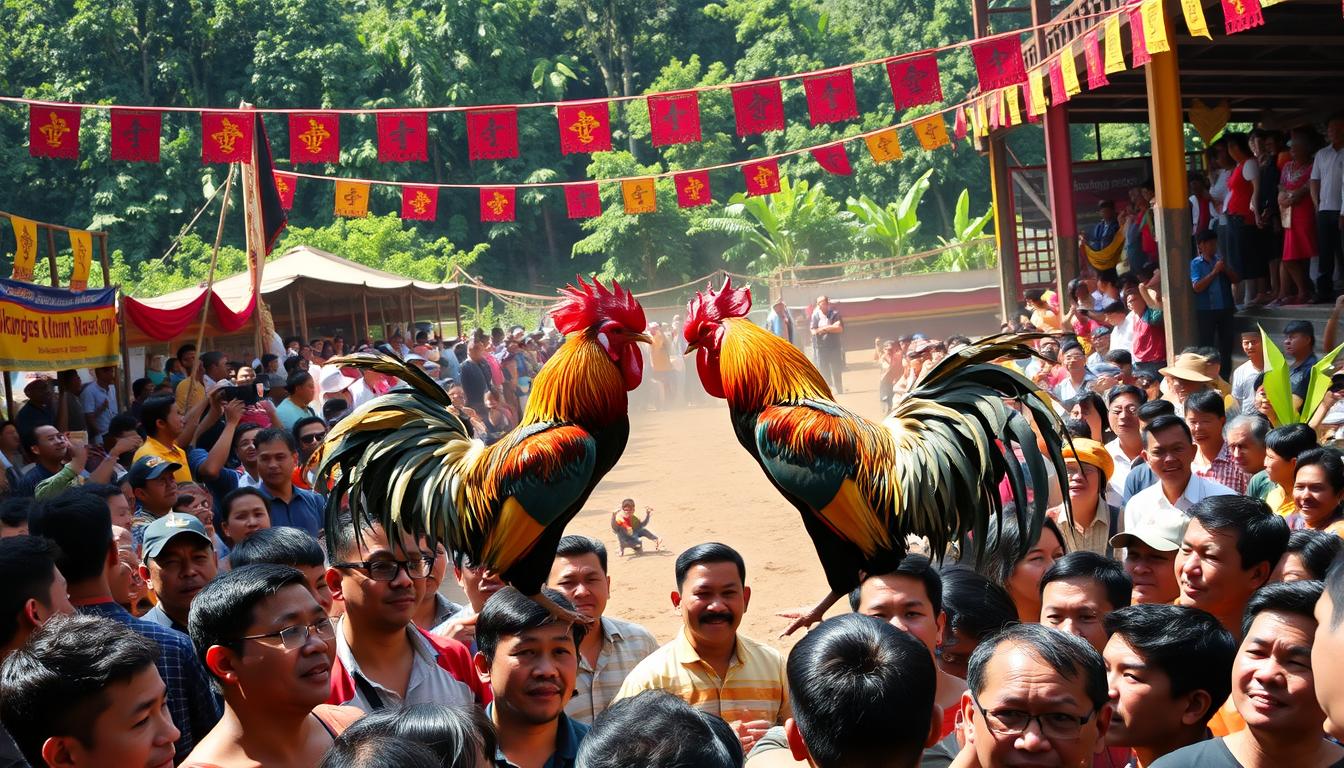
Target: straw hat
1189	367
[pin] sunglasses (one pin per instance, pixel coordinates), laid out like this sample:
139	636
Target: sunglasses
315	437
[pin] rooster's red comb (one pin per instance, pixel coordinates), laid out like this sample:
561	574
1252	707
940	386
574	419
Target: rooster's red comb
711	306
586	305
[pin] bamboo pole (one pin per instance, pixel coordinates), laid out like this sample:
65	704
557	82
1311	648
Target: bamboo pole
364	298
102	258
51	257
210	279
124	392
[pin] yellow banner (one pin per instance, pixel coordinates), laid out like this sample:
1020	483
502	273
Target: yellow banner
1014	109
25	254
1115	57
932	131
81	245
1036	89
1068	69
884	146
352	199
1194	17
981	117
51	328
1155	26
639	196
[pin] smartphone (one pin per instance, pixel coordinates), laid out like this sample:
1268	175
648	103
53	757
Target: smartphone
1337	382
250	394
78	437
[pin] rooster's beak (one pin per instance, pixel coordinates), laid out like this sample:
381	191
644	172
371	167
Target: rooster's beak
691	347
644	337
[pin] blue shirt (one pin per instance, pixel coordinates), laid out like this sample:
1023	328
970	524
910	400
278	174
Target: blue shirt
1101	234
569	734
192	702
304	510
1217	296
1300	375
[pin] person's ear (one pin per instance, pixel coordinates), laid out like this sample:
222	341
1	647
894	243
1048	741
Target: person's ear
56	752
795	738
942	624
144	572
1103	725
333	578
482	665
1198	704
935	733
1260	574
676	599
34	613
746	597
967	717
220	661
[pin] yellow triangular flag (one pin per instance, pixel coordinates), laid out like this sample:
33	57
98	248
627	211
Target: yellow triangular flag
1014	109
1267	3
25	255
1115	58
932	131
352	198
982	117
884	146
1155	26
639	195
1068	70
1036	89
1194	18
81	244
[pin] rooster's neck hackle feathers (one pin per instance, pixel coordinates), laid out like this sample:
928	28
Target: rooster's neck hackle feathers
579	384
759	369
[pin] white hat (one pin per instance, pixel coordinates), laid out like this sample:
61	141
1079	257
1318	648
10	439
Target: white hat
330	378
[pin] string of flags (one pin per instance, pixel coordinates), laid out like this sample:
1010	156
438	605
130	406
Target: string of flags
1007	90
25	252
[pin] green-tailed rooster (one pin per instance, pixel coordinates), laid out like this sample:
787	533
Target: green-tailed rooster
404	459
931	468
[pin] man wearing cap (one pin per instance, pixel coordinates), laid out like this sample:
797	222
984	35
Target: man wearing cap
154	485
1085	521
779	322
179	561
1299	346
1150	560
334	384
1101	344
1184	377
1211	276
1169	449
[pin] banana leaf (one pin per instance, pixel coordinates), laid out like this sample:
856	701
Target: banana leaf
1318	383
1278	387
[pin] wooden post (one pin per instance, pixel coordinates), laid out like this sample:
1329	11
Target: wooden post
124	391
438	318
382	316
354	328
303	315
9	395
457	311
102	258
51	257
1171	209
364	298
1058	168
293	315
1005	229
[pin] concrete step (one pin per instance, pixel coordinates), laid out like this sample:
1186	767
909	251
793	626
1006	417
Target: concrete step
1273	320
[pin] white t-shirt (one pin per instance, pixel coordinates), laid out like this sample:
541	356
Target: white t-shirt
1243	378
1328	169
1150	506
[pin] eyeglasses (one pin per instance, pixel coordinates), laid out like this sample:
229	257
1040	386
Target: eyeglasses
386	570
313	437
295	637
1053	725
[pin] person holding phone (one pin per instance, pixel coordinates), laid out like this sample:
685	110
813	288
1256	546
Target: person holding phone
1212	277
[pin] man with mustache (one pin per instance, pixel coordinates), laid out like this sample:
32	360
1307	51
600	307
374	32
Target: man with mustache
179	561
709	664
529	660
382	659
270	648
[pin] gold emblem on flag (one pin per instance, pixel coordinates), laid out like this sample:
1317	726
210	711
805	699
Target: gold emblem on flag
497	203
420	203
764	177
694	186
584	127
314	137
55	129
226	138
281	185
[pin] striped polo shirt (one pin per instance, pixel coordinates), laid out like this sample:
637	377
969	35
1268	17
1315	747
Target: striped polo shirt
624	645
755	687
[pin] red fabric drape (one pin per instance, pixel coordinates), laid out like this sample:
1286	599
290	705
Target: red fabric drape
167	324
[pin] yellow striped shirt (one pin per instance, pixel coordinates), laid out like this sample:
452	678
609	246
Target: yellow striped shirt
755	687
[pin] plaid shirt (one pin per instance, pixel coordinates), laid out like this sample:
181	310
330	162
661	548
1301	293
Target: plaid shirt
192	702
1225	471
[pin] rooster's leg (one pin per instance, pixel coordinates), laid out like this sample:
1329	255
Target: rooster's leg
815	615
562	615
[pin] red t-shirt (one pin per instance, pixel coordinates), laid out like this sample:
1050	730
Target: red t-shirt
1150	342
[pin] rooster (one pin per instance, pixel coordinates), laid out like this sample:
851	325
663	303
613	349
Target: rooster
406	460
931	468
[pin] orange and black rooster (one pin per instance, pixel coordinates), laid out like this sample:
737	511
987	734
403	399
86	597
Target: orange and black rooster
931	468
404	459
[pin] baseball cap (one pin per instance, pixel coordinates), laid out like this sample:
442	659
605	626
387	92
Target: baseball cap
148	468
1104	369
1164	537
1101	330
168	527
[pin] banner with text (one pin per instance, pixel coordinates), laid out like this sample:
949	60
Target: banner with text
43	329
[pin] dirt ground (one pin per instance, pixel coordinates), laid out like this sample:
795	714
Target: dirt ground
687	465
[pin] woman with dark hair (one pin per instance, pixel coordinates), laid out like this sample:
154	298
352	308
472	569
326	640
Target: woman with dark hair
461	737
1308	556
1089	408
1243	250
1318	491
1297	213
1019	574
1266	143
975	608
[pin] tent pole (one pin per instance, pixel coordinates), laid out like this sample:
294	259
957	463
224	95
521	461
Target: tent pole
457	311
438	318
51	257
210	280
102	257
293	315
9	395
364	298
382	315
303	318
124	393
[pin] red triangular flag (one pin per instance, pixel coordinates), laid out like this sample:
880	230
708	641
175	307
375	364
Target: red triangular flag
226	137
135	135
1096	70
284	186
762	177
959	125
674	118
834	159
403	137
53	132
492	134
1137	39
998	62
830	97
497	203
995	116
314	137
914	81
758	108
419	203
1057	93
1241	15
583	201
584	127
692	188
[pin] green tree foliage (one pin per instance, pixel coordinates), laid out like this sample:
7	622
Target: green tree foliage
797	225
891	228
